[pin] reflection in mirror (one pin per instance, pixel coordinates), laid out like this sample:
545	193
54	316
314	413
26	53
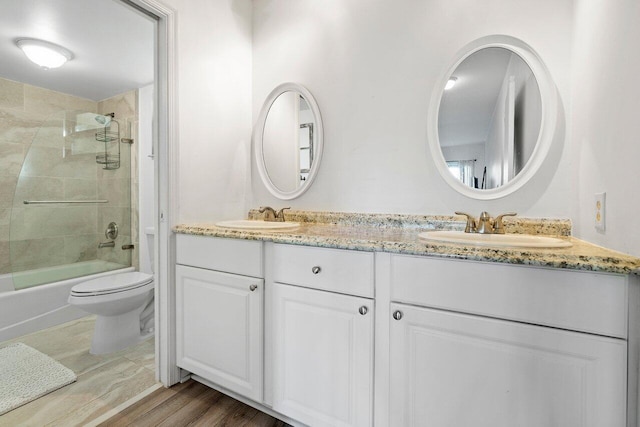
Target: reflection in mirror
490	117
287	141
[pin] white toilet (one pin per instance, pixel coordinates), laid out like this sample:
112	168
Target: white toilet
123	304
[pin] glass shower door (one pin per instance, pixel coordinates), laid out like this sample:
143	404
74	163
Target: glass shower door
64	200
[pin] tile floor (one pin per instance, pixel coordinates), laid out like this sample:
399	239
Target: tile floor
103	382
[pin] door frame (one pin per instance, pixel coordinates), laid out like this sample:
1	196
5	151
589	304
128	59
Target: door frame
165	143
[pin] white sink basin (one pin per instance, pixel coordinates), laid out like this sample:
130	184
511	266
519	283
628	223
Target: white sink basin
257	225
502	240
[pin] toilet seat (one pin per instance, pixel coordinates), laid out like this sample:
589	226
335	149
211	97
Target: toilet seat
112	284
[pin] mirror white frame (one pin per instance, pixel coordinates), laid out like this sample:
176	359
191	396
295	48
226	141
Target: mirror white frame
549	99
258	140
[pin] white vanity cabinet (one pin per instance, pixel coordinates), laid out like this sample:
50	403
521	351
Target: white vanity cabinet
219	312
321	337
291	328
500	345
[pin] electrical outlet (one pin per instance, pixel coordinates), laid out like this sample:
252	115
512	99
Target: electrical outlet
600	210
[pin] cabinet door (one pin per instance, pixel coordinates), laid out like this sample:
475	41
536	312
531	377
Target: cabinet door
219	328
450	369
323	356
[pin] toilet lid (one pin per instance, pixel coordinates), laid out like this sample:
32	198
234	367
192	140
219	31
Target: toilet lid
112	283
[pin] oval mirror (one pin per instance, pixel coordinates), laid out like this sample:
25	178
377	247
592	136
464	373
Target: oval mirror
493	121
288	141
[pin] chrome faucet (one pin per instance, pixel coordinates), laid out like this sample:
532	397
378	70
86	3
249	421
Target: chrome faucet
485	224
270	215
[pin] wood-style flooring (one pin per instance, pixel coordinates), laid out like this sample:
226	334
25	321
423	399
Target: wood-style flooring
190	404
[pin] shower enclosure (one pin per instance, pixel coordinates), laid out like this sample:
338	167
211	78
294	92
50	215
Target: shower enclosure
75	180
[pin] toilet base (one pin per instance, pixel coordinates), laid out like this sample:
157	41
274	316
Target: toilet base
115	333
121	313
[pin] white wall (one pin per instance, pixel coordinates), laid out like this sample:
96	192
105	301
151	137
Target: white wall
372	67
606	120
214	94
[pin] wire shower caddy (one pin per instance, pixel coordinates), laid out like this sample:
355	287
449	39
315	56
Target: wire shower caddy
110	136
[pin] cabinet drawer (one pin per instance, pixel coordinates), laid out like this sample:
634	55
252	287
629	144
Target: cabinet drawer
346	272
214	253
575	300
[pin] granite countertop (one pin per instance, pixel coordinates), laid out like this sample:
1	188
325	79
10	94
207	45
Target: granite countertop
399	234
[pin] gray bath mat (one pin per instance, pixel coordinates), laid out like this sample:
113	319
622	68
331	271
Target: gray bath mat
27	374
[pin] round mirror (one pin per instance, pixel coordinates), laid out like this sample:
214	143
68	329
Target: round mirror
288	141
492	118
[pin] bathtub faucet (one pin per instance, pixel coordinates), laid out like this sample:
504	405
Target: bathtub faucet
106	245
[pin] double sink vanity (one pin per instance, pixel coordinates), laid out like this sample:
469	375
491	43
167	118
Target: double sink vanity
359	320
330	319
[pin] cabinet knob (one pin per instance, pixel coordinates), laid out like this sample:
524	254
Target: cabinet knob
397	315
363	310
253	287
316	270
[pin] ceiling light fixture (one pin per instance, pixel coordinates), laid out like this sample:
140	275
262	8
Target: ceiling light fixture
46	55
450	83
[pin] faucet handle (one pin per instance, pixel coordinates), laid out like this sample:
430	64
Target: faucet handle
280	214
471	222
269	213
498	226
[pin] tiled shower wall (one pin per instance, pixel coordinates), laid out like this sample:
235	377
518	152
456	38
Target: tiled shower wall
57	168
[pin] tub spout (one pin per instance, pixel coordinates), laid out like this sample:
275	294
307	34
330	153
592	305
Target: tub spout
106	245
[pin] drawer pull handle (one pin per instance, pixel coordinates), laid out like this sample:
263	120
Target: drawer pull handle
253	287
316	270
363	310
397	315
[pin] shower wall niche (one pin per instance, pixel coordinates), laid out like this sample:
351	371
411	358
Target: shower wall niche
48	153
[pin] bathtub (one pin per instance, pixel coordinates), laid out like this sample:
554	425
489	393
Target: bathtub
30	309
